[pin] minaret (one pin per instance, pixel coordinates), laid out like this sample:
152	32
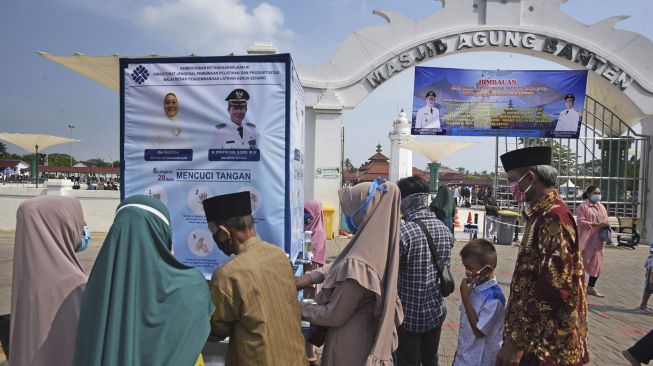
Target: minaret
401	160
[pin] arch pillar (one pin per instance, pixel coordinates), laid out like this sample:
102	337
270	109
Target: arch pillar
323	150
646	228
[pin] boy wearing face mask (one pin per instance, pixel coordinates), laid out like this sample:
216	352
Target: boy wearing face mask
482	309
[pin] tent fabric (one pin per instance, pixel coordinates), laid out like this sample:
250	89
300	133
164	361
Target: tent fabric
568	184
434	150
28	141
102	69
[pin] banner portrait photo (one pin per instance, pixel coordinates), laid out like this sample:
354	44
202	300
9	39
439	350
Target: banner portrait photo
457	102
196	127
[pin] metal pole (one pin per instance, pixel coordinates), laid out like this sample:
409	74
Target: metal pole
36	164
71	145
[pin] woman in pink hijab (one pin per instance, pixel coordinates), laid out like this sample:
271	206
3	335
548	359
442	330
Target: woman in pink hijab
48	281
314	222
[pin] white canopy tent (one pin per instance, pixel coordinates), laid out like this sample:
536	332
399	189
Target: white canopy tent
102	69
29	141
435	150
568	188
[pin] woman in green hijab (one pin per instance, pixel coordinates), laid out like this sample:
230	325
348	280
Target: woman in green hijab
141	306
443	206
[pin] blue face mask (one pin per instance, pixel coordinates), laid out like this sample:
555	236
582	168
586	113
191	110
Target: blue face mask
595	197
359	212
86	238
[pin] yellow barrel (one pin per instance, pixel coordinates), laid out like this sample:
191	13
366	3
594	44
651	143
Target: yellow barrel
329	220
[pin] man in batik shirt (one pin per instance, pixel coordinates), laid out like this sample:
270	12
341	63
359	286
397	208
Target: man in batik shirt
546	315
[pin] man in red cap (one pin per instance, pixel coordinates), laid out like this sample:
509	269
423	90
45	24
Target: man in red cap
546	314
254	293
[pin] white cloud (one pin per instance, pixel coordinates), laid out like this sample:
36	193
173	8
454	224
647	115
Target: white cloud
213	26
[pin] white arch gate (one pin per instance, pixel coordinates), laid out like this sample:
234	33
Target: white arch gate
621	77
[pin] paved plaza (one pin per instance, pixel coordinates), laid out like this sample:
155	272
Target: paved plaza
614	323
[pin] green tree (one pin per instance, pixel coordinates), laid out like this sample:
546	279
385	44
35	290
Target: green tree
348	166
57	159
563	158
3	150
99	162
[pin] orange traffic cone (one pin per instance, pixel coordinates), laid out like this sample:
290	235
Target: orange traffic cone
456	221
469	218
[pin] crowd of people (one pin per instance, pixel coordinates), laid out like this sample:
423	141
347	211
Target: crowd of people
380	302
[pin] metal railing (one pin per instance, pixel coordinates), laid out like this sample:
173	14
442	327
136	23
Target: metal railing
608	154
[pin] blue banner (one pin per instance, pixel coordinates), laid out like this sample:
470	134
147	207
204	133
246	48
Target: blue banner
457	102
196	127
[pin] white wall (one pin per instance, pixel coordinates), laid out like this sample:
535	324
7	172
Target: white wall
99	206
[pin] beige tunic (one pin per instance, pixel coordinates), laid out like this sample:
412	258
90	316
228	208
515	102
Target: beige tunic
256	306
351	321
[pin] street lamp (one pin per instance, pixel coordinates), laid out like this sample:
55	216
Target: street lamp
36	164
71	145
110	159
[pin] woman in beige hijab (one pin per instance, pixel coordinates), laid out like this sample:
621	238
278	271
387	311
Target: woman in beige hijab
358	302
48	281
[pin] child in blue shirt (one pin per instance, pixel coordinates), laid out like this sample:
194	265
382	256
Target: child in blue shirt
483	306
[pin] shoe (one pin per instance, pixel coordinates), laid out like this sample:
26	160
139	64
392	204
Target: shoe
592	291
645	309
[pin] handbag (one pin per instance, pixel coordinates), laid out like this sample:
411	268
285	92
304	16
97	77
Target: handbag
605	235
447	284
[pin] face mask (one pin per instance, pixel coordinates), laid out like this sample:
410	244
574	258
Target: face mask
516	192
476	278
86	238
222	245
359	212
595	197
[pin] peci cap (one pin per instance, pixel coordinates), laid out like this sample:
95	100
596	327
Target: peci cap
238	97
521	158
430	93
226	206
570	96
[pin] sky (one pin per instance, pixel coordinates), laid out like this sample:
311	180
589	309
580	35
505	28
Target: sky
39	96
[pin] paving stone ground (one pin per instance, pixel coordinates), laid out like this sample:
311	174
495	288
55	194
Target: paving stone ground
614	324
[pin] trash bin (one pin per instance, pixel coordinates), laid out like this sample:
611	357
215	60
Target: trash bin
329	213
505	231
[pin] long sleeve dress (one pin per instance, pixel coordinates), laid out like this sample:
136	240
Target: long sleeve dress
351	322
591	245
